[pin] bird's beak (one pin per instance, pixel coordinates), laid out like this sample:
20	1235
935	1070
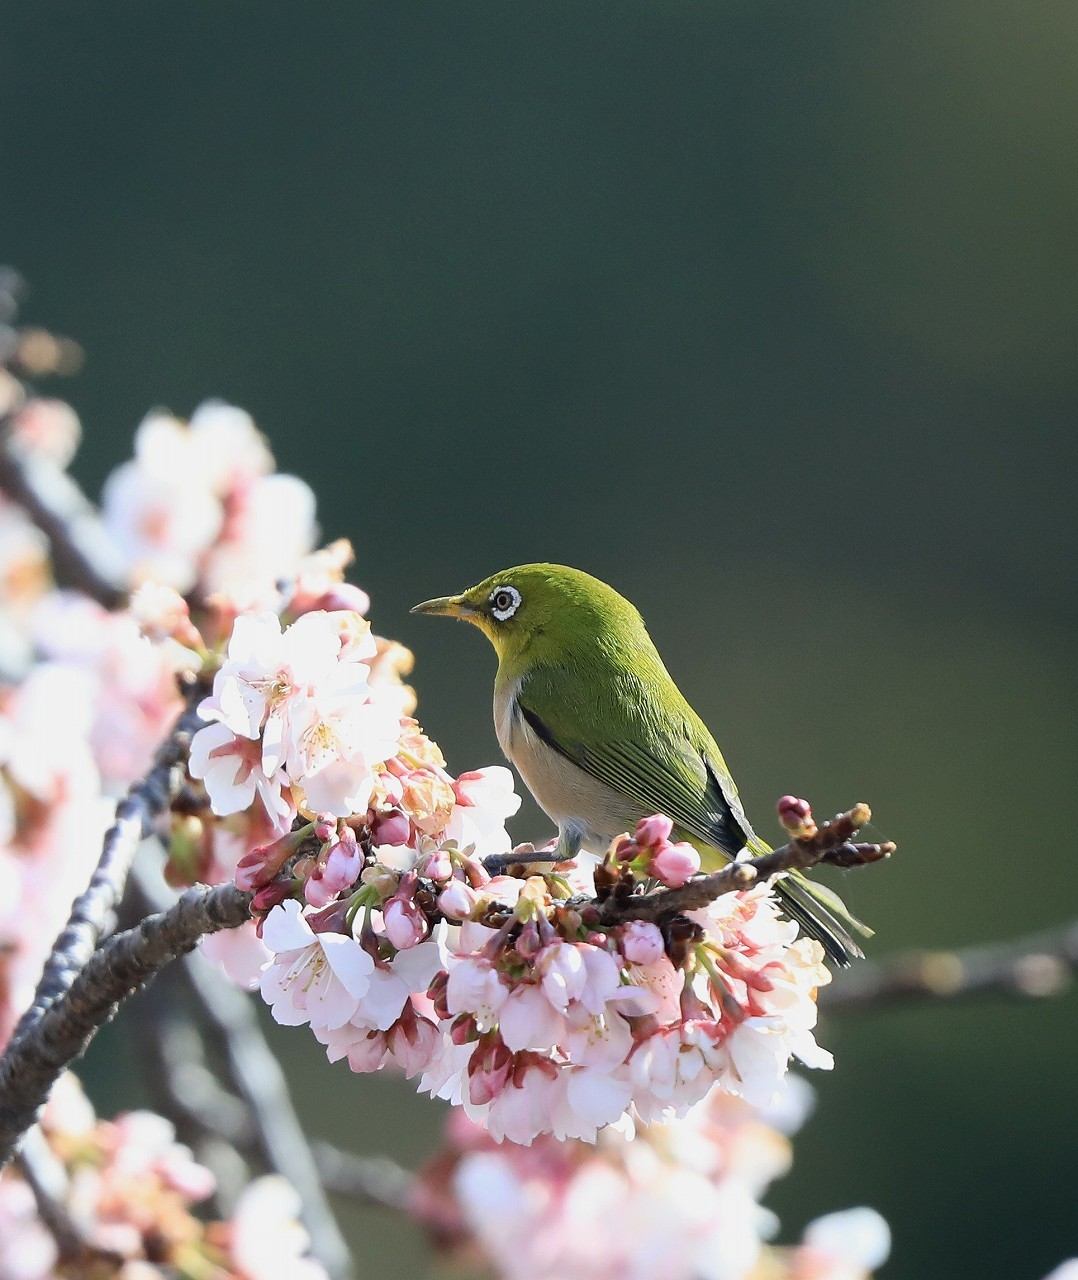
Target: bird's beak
446	607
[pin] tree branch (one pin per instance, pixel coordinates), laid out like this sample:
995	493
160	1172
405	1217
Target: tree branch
92	910
1031	967
31	1064
829	843
373	1180
84	555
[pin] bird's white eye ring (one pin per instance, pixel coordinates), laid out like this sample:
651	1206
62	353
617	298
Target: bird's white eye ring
504	602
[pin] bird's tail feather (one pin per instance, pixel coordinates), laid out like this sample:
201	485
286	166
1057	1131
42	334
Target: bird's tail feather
823	915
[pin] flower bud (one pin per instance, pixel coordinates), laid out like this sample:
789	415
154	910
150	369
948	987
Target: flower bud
390	828
674	864
488	1070
796	816
317	892
653	832
343	862
457	900
405	924
270	896
436	866
642	942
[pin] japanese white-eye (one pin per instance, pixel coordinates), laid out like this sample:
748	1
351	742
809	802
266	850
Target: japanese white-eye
601	735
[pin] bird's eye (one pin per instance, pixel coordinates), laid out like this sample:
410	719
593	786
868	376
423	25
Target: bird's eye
504	602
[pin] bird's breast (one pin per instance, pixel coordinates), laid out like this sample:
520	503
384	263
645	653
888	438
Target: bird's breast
561	789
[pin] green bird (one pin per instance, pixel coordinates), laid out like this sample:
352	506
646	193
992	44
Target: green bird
590	718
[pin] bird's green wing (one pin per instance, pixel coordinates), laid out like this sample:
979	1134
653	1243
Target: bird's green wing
660	754
655	762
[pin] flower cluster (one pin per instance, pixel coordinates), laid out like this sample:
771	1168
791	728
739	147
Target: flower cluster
499	993
679	1200
128	1190
90	694
296	720
200	507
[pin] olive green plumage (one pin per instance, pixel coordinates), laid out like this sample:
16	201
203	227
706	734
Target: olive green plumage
602	736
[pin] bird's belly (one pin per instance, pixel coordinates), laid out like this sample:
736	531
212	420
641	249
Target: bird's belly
562	790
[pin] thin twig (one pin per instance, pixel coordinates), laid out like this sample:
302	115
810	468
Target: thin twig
1029	968
373	1180
829	843
84	554
207	1118
31	1064
93	909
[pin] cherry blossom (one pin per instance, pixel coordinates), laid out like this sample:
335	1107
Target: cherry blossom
316	978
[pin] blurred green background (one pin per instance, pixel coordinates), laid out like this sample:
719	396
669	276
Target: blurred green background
764	312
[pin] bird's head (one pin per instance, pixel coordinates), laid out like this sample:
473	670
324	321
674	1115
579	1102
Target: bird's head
536	612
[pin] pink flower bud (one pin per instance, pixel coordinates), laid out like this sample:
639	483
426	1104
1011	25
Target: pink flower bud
390	828
793	808
625	850
654	831
796	816
436	993
325	828
674	864
642	943
261	865
405	925
413	1042
317	892
344	862
488	1070
457	900
463	1030
436	866
270	896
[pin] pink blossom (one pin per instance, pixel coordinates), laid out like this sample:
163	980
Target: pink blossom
266	1240
231	767
320	978
476	987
